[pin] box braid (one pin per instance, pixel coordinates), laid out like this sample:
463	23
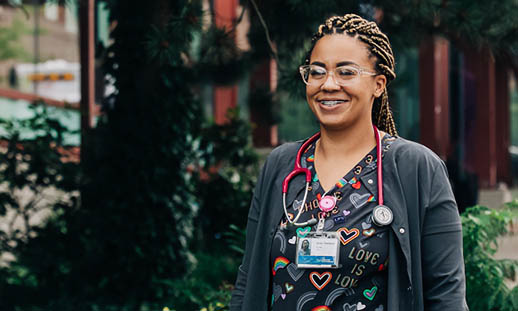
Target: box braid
378	45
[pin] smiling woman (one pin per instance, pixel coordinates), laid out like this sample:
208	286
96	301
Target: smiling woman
398	252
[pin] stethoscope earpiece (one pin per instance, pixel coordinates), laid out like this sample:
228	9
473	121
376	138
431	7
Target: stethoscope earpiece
311	222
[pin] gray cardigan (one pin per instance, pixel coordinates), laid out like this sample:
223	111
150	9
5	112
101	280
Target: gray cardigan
426	266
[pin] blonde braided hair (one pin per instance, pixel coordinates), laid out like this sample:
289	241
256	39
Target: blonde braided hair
378	45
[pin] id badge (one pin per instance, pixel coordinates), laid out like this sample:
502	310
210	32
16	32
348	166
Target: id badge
318	250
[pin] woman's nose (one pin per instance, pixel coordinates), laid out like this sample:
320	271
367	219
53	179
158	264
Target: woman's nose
330	83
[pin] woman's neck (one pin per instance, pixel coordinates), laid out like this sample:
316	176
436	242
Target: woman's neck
340	144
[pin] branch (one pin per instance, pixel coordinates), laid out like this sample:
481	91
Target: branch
240	18
267	33
235	23
16	5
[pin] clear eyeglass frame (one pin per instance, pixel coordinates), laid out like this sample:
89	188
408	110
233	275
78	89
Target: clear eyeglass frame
354	72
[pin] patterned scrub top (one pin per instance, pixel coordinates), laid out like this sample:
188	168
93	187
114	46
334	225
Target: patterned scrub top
360	283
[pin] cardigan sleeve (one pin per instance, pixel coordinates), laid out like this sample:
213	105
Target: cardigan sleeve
236	301
442	258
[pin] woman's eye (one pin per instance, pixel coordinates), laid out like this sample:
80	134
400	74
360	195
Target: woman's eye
346	72
316	73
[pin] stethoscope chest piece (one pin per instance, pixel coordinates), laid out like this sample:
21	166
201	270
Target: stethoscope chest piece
382	215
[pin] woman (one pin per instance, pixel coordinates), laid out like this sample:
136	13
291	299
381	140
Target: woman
305	250
378	209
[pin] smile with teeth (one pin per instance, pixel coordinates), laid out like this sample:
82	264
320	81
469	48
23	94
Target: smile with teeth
331	103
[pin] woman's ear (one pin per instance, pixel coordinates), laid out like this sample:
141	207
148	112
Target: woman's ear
381	83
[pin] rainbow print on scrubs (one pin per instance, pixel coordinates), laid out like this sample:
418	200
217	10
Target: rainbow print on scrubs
355	183
342	182
311	158
371	199
279	263
321	308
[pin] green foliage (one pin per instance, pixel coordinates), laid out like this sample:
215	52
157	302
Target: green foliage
472	22
164	42
38	183
229	166
229	142
34	174
219	300
138	196
264	107
467	23
10	47
132	230
236	238
485	275
220	60
207	284
128	243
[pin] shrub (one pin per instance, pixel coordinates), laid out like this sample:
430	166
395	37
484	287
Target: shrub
39	179
485	275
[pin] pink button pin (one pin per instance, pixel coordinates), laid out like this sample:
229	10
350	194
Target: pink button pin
327	203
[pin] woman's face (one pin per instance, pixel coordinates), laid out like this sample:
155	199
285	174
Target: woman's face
346	105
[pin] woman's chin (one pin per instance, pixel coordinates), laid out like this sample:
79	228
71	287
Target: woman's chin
334	124
334	120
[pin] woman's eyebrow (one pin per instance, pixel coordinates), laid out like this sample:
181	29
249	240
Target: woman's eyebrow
344	63
319	64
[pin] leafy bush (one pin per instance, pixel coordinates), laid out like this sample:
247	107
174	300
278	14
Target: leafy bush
228	172
39	179
50	257
485	275
207	284
38	174
228	168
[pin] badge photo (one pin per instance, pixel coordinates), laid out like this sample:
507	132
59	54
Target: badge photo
318	250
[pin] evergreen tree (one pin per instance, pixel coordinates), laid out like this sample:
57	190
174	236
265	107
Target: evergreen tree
137	198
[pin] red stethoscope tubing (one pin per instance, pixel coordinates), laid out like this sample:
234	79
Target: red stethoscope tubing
298	169
380	168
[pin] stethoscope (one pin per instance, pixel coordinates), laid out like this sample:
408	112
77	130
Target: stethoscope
381	214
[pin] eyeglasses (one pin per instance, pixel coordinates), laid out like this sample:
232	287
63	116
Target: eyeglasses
344	75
